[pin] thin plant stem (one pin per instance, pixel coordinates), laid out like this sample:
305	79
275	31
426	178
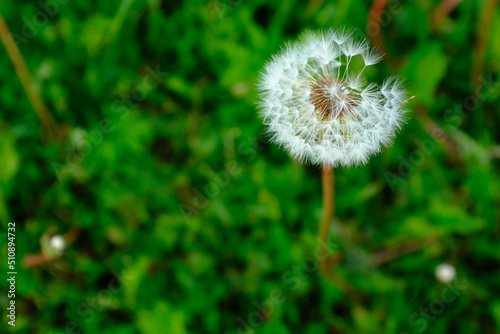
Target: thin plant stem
438	133
394	253
326	265
328	183
375	18
442	11
34	260
27	81
480	47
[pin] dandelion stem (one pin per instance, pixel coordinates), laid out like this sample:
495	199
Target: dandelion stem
327	264
328	182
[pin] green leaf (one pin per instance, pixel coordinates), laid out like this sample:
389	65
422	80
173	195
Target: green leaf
425	70
162	319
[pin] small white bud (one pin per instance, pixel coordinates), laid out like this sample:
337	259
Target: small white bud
57	243
445	273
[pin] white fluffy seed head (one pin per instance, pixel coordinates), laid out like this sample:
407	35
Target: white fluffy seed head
445	272
58	244
321	110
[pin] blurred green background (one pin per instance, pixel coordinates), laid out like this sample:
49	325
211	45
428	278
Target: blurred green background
180	217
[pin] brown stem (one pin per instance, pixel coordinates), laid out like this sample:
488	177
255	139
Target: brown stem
483	28
328	185
328	203
374	19
27	81
34	260
391	254
442	11
326	265
437	133
71	236
313	7
495	152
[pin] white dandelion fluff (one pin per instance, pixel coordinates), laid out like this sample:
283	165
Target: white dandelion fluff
445	272
58	244
322	111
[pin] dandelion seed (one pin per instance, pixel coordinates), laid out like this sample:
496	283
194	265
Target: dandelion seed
322	112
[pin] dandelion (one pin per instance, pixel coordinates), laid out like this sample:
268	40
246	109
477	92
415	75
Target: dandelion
321	110
57	243
445	272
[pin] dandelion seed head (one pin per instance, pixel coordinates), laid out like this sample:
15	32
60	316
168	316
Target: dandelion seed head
323	111
445	272
58	244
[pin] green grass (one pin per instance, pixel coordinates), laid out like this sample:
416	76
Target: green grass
189	220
